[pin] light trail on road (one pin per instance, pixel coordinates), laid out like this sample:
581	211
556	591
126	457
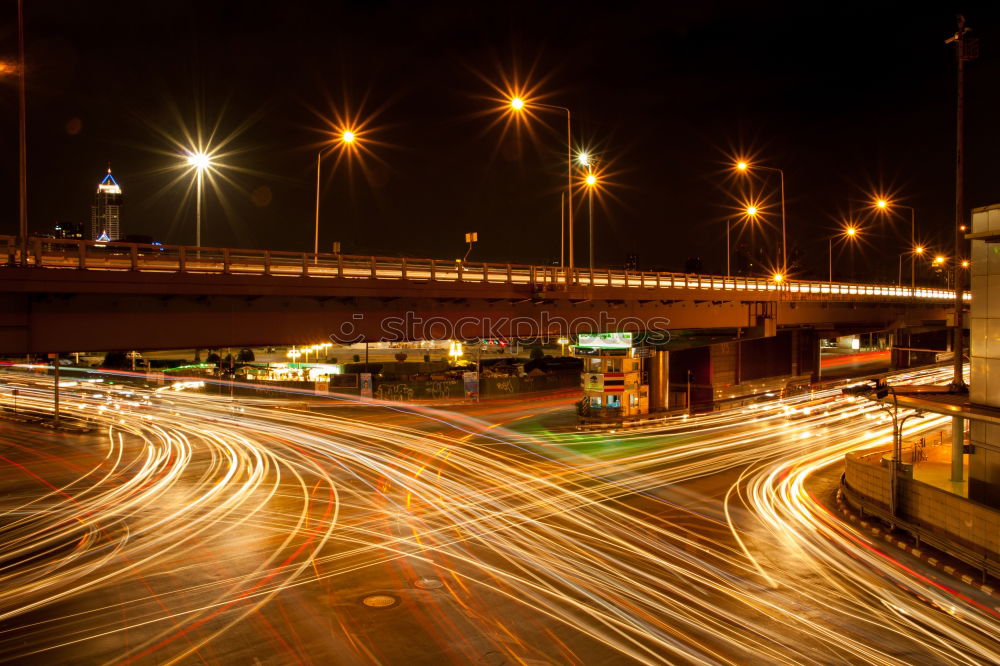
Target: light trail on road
198	526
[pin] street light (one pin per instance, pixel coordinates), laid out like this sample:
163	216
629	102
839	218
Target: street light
744	166
347	138
199	161
591	181
915	251
849	233
884	204
519	105
563	342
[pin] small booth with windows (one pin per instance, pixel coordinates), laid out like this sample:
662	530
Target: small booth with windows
612	376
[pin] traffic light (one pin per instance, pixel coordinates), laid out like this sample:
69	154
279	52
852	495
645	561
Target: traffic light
881	388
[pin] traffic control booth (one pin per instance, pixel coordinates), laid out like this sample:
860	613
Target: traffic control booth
613	375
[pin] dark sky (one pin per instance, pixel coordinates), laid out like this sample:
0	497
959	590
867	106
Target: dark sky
845	97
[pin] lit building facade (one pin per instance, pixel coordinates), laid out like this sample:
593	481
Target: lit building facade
105	214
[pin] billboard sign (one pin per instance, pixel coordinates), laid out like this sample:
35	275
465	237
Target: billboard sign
621	340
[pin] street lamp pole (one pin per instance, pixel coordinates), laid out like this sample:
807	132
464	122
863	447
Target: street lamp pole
518	104
562	230
784	238
319	158
346	137
744	166
728	252
830	243
22	138
197	208
591	181
966	49
913	244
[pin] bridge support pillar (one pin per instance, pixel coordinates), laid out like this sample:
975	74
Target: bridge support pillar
900	358
658	366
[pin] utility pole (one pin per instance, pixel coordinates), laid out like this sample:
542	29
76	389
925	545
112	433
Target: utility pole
966	49
22	138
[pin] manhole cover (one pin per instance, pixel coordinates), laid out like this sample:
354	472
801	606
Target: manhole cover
427	583
380	601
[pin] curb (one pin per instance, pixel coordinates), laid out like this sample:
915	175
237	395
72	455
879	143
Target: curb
876	529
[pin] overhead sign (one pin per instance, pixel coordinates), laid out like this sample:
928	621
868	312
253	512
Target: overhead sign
622	340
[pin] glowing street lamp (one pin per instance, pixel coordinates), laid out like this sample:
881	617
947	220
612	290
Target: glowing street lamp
744	166
849	233
562	343
883	204
199	161
519	105
345	138
751	211
583	159
778	278
591	181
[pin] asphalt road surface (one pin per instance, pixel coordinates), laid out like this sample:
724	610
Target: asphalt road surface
191	527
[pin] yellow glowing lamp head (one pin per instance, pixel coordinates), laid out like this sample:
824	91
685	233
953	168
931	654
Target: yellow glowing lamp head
851	231
882	203
591	179
778	277
517	103
751	210
939	259
919	249
199	161
965	263
348	136
742	166
583	159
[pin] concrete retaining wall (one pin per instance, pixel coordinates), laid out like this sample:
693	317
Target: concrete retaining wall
865	476
971	525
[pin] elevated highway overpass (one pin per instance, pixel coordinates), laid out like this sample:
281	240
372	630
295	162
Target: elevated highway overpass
67	295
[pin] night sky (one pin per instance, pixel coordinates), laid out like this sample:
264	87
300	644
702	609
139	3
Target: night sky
846	97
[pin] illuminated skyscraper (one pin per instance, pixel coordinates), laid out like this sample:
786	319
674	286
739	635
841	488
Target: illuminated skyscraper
105	214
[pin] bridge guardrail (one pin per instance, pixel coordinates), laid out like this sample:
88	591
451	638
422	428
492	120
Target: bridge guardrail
91	255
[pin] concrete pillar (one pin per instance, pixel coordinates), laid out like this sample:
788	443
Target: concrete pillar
793	349
816	366
658	366
957	447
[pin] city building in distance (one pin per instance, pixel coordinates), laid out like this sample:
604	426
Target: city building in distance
105	214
